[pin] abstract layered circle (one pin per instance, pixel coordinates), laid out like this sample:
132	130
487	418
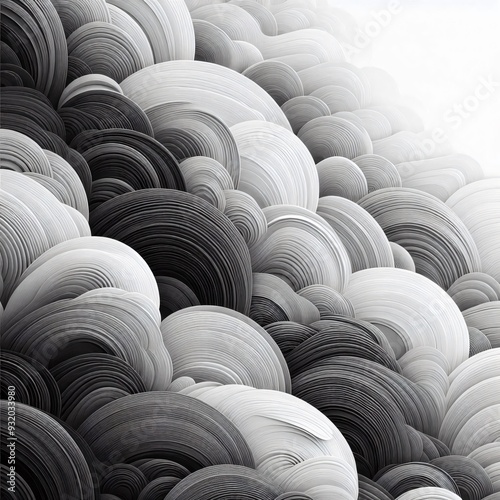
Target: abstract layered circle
241	352
440	244
412	312
217	270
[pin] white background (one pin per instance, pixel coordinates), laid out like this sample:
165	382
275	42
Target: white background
438	51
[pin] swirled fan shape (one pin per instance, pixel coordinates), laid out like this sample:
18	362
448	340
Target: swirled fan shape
241	352
413	311
440	244
362	237
375	408
210	88
440	176
185	238
49	463
73	267
164	425
293	444
478	206
35	34
301	248
32	221
109	320
332	136
473	406
276	167
274	300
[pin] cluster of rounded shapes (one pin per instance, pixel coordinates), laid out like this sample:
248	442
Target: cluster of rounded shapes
266	419
477	205
241	352
441	176
301	248
441	246
182	236
230	268
32	213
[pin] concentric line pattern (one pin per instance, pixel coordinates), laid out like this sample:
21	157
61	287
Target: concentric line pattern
229	267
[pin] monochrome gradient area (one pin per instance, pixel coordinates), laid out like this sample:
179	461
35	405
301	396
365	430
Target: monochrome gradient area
237	259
